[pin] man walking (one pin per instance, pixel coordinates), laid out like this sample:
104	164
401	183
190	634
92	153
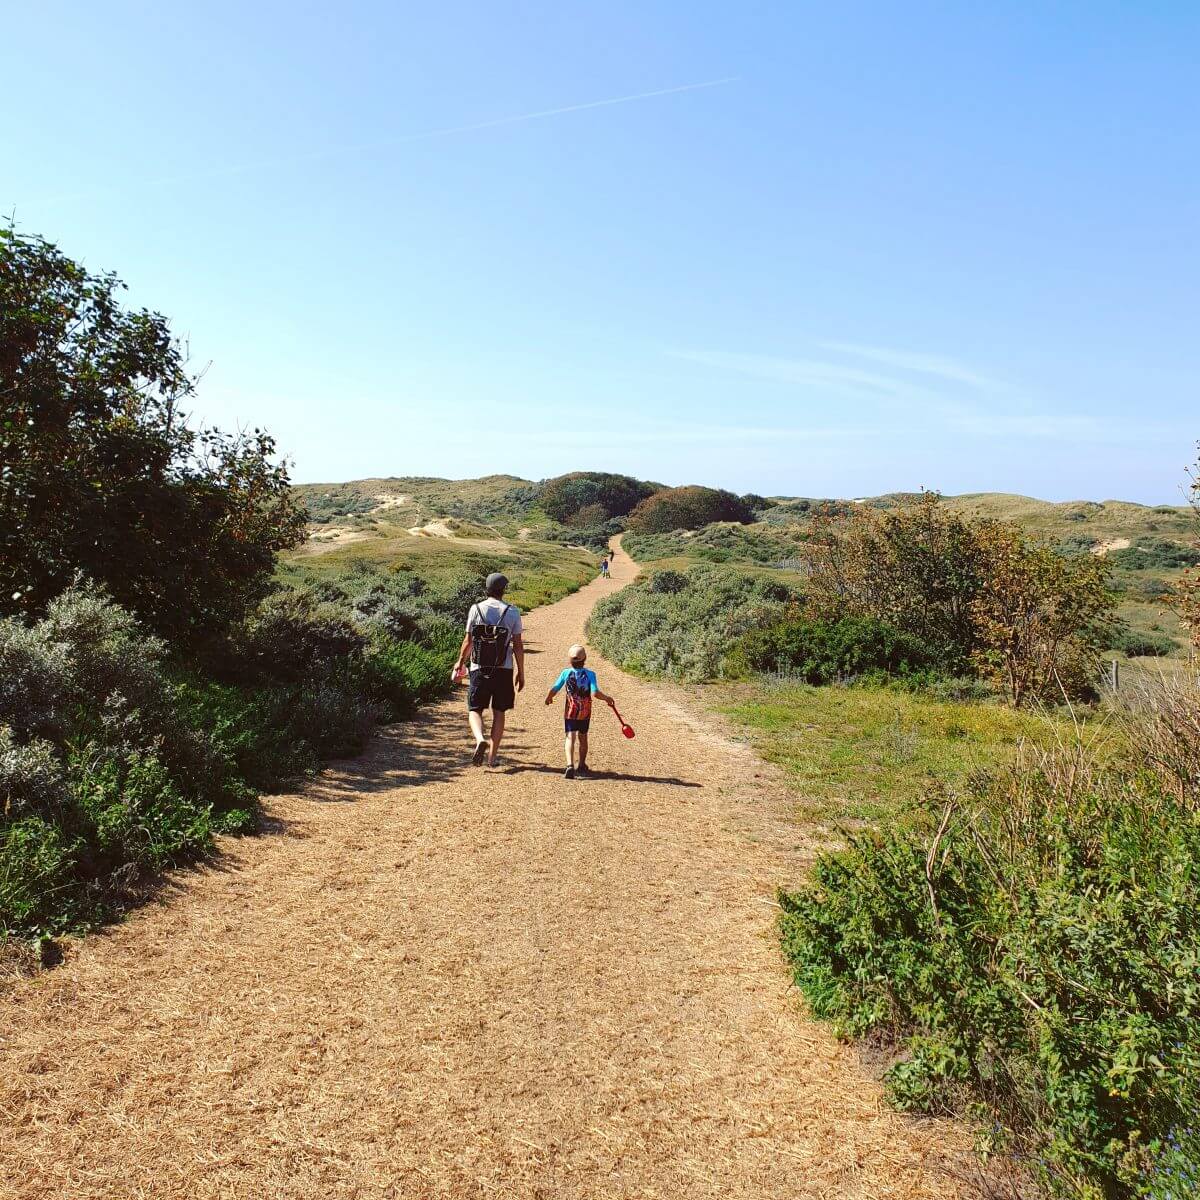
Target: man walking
493	642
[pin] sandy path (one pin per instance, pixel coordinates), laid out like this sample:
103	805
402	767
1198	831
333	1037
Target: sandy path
438	981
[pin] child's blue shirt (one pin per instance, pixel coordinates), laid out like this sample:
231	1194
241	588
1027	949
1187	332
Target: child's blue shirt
561	681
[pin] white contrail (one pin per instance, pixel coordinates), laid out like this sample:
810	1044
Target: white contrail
425	135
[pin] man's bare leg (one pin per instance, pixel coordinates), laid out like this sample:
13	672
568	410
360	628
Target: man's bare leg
476	721
497	735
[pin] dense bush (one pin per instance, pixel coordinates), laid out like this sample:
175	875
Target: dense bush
756	503
688	508
1135	644
1035	951
802	511
916	567
821	652
685	625
338	502
101	471
720	543
101	778
1155	554
980	594
586	499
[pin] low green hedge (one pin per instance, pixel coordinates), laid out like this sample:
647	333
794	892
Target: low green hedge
821	652
1038	959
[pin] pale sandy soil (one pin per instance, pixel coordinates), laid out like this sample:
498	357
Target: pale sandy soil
324	538
432	529
433	980
1102	548
389	500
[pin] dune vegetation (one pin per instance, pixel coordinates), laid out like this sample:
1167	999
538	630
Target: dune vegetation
1010	910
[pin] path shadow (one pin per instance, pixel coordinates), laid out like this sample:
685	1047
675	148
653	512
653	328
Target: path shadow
615	776
432	749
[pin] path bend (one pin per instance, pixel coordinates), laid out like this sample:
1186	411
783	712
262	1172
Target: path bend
437	981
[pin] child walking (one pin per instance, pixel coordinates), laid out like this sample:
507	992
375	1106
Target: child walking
581	686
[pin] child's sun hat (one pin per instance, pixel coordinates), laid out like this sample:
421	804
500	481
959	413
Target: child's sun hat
577	653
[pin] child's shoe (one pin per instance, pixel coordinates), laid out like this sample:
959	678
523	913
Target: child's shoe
569	773
583	769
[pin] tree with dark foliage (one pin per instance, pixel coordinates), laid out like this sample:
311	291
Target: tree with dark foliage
100	471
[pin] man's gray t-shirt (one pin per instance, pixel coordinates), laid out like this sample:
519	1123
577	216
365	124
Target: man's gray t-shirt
488	612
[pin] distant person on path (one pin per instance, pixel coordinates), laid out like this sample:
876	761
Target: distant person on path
604	567
493	642
581	686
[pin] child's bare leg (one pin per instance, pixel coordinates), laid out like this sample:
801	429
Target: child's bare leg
569	748
583	743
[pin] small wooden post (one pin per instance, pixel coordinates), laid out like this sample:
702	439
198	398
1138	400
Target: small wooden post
1114	674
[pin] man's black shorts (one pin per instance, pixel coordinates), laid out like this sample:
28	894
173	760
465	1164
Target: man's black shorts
491	687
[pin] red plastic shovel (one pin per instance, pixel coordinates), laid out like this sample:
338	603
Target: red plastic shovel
627	730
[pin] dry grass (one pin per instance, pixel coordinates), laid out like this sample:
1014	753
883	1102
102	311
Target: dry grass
435	981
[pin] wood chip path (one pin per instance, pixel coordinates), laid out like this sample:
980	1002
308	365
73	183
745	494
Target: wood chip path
433	980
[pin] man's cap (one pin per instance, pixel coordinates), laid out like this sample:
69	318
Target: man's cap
576	651
495	584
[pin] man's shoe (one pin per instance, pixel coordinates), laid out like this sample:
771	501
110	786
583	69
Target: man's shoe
480	754
583	769
569	773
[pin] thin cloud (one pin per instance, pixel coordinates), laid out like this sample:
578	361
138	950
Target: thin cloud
406	139
691	435
809	372
926	364
949	401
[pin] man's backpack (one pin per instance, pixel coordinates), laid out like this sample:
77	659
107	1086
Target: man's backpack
489	643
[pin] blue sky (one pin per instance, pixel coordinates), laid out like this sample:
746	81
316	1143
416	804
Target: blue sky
884	246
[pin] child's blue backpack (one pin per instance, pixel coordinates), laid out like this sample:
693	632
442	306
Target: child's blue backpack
579	694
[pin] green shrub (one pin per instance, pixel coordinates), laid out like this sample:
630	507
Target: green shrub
667	583
101	777
1135	644
685	625
1151	589
688	508
1037	956
1075	545
37	887
323	507
134	812
102	471
293	636
587	499
404	674
1155	554
720	543
824	651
